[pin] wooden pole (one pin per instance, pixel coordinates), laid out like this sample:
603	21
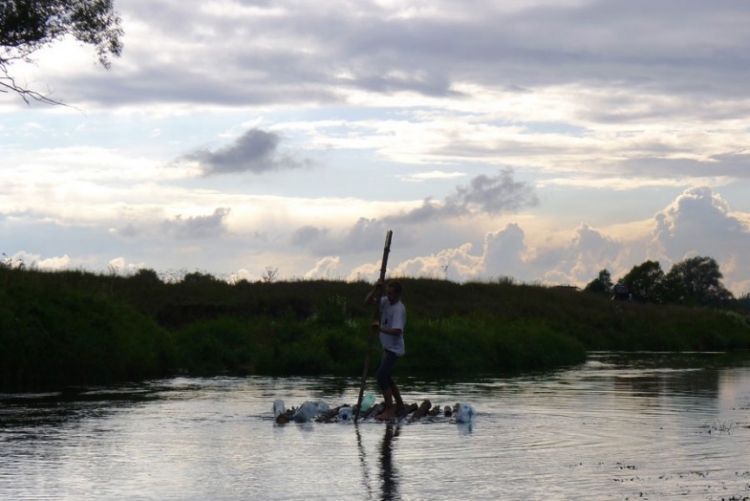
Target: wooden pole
375	315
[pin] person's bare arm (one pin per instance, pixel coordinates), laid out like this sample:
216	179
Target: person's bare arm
374	293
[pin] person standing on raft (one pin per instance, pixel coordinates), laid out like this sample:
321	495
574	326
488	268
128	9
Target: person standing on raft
391	332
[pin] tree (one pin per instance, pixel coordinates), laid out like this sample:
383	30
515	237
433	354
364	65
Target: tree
270	275
197	277
29	25
147	276
646	281
696	280
601	284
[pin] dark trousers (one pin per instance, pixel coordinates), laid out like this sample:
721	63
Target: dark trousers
385	371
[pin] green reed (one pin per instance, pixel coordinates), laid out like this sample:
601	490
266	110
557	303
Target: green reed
68	328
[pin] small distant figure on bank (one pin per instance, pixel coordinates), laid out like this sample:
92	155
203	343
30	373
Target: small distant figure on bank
390	329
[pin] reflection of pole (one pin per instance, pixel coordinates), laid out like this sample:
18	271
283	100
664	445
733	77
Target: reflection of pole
365	474
388	474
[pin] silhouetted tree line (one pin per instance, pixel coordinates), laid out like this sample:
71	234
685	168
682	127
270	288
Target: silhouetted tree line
694	281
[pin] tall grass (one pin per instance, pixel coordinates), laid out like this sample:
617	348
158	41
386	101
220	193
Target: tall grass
52	338
73	327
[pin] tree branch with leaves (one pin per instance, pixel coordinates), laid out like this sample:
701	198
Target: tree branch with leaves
27	26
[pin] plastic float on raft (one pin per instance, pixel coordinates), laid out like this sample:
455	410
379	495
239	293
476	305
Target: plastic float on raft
367	402
345	413
309	411
465	414
278	408
321	412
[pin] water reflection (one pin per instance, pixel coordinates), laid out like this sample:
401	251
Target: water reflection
363	462
388	473
611	429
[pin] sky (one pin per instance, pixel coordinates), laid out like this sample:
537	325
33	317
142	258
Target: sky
541	140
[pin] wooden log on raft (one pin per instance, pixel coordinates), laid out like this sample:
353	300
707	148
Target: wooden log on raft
285	417
329	415
375	410
424	408
408	410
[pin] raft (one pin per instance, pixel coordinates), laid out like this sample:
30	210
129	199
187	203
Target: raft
321	413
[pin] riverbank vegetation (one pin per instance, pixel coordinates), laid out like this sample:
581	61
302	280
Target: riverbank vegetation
68	328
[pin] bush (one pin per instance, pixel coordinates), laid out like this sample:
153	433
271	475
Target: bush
54	338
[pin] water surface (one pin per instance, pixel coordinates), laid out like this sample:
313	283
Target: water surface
654	427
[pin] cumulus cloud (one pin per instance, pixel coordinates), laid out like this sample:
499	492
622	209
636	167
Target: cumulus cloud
31	260
325	268
121	266
197	227
504	253
453	264
255	151
699	222
576	261
484	195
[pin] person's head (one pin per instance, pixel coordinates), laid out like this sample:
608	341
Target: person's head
393	291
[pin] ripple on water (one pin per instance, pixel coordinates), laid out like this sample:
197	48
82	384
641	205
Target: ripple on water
604	430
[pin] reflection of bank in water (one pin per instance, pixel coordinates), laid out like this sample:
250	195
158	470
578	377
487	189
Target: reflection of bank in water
321	412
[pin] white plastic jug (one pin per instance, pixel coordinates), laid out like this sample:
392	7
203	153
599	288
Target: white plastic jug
465	414
345	413
306	412
278	407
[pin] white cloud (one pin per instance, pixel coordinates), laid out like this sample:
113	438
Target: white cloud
55	263
699	222
435	174
326	268
413	115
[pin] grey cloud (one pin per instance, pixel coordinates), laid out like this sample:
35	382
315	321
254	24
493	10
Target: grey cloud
678	47
255	151
308	235
493	195
734	165
197	227
483	194
361	237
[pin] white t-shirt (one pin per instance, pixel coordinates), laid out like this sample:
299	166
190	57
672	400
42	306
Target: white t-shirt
392	316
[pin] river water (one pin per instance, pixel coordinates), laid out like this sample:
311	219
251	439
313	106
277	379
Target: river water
619	428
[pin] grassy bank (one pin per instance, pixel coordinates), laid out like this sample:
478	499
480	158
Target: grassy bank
69	328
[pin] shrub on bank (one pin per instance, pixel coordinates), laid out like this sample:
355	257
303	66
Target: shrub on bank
67	328
54	338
